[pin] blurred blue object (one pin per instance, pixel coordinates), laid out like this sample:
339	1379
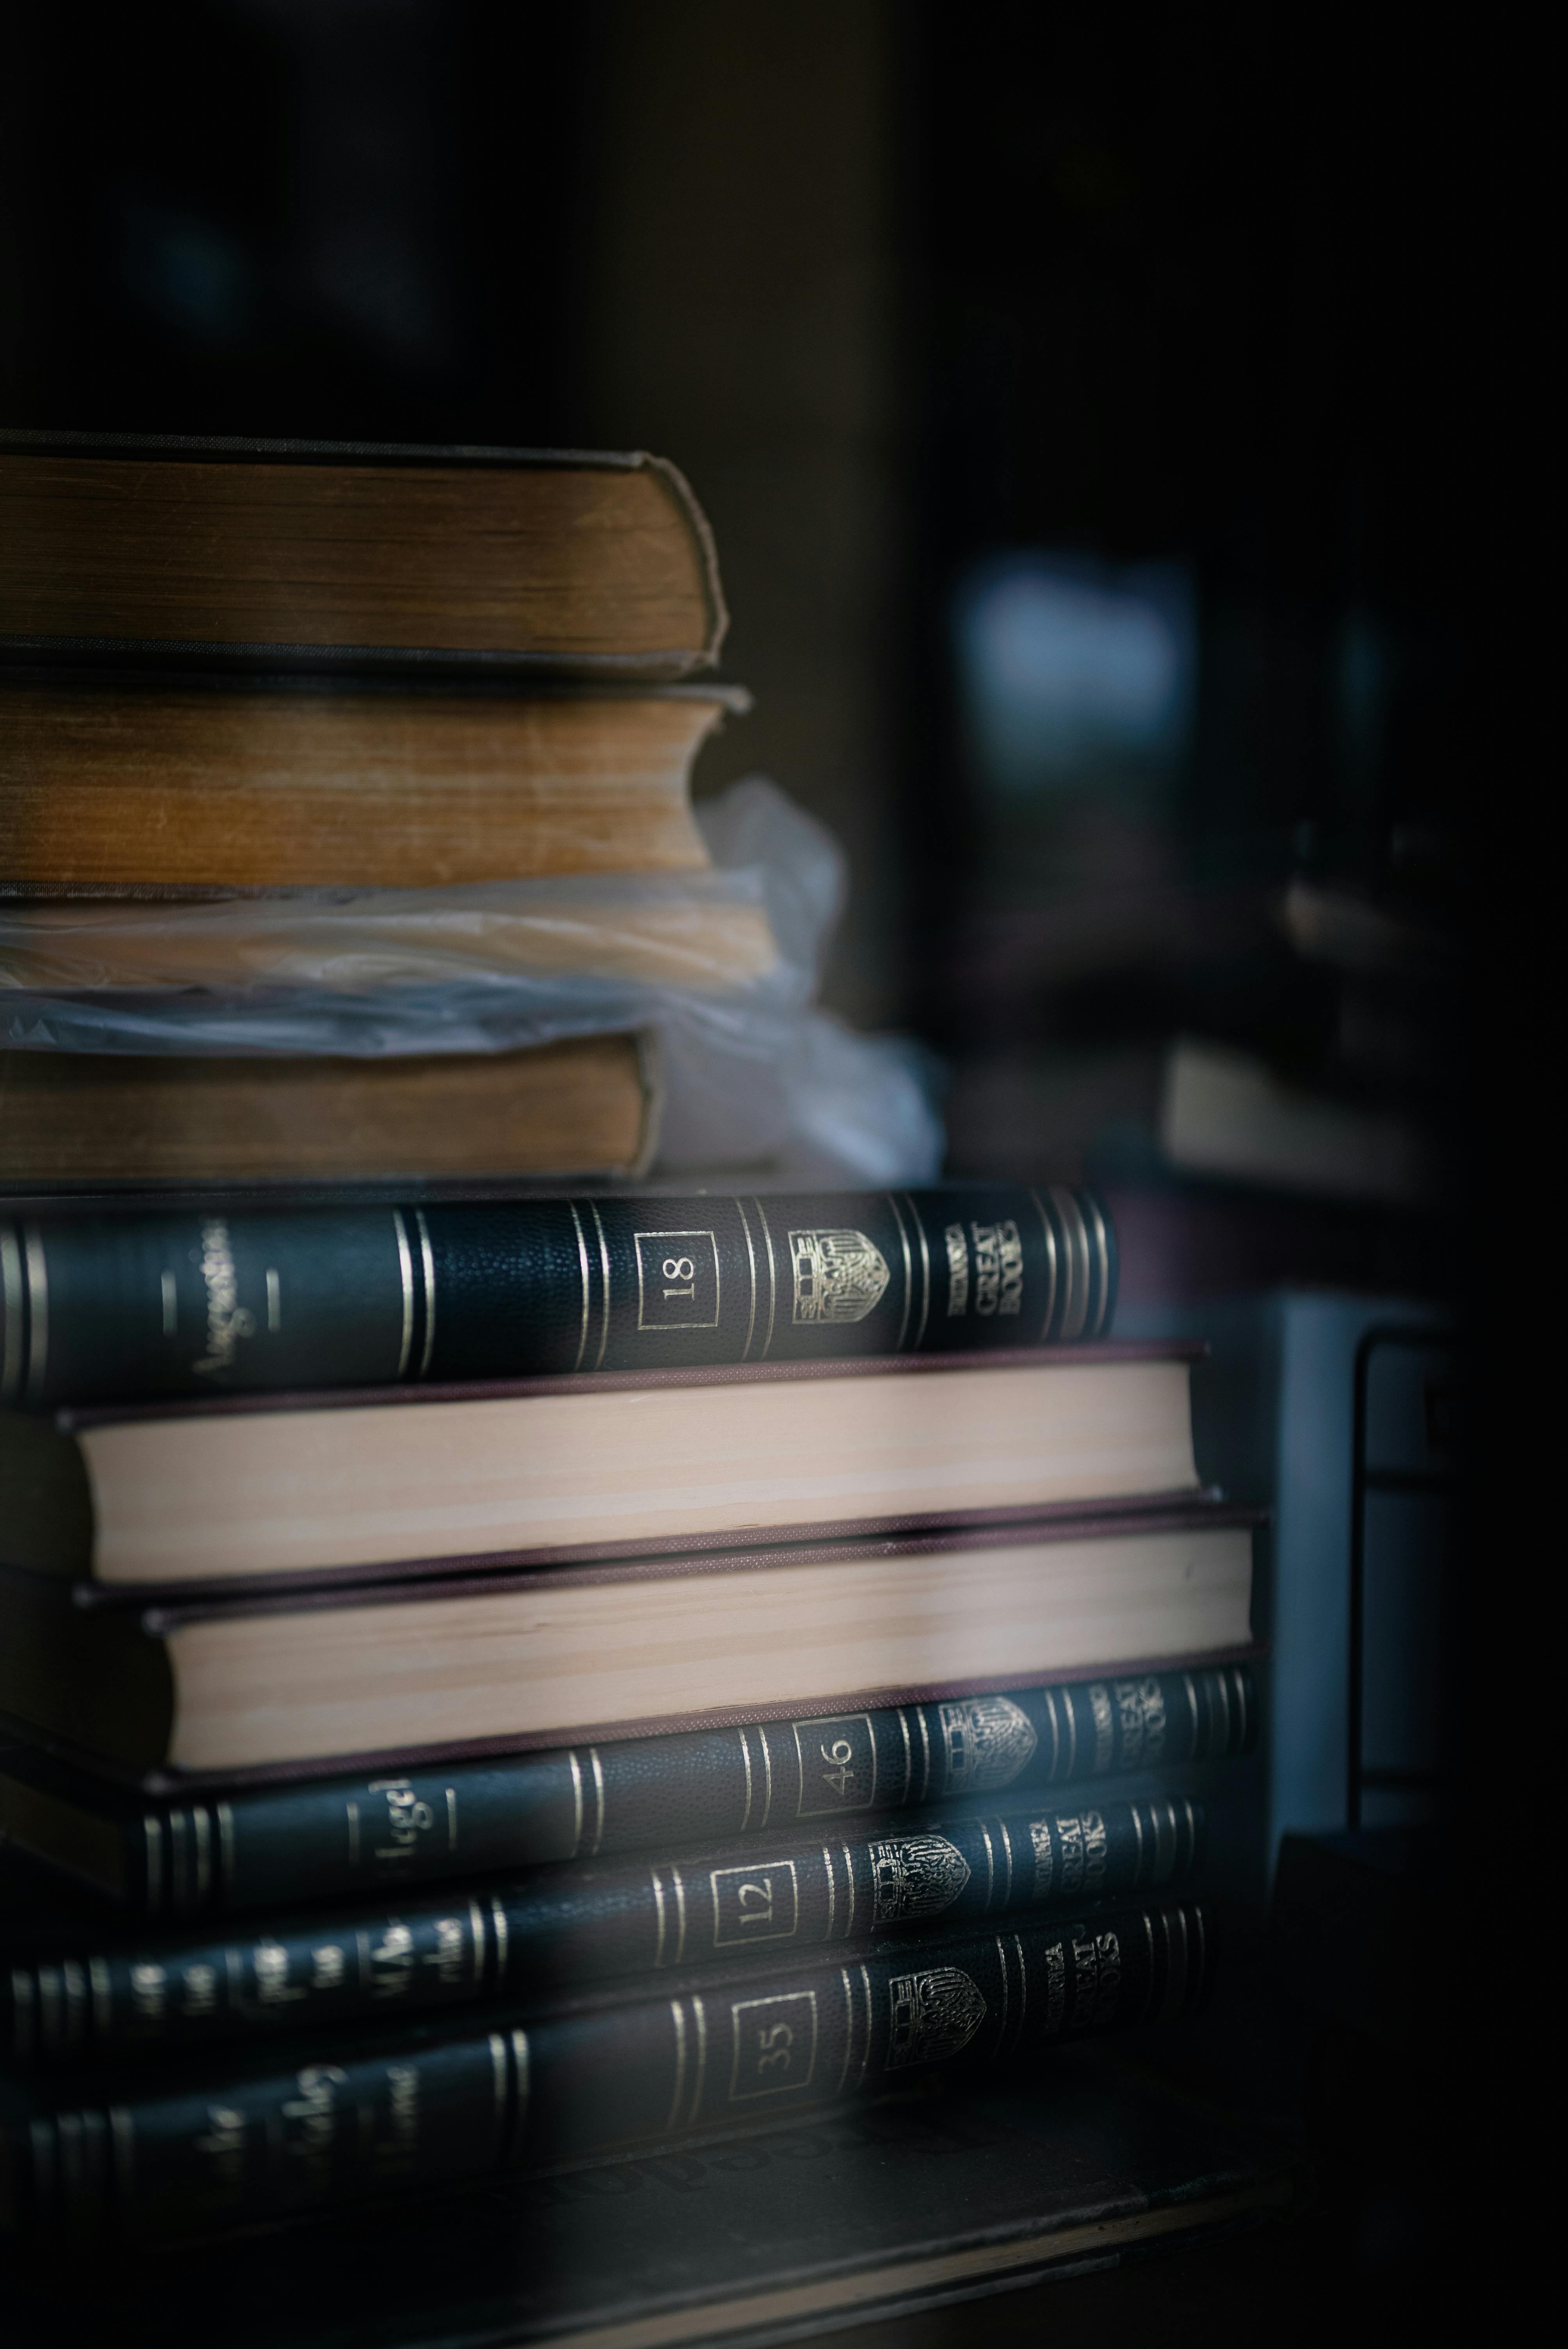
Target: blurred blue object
1072	675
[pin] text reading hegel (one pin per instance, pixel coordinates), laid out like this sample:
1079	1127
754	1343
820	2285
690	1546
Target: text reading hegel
678	1280
838	1763
760	1903
775	2043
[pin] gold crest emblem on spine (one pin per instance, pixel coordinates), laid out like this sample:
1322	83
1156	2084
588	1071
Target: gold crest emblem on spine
987	1740
933	2016
840	1275
916	1876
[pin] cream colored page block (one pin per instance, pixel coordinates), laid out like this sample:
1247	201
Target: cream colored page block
287	1491
353	1680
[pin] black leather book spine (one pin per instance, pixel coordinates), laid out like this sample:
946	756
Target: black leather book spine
350	2121
326	1839
140	1306
566	1927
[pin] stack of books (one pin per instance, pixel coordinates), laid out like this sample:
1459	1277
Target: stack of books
710	1663
267	671
497	1688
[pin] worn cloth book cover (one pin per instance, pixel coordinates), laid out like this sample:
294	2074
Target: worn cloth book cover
350	553
116	783
912	2202
313	1678
384	1837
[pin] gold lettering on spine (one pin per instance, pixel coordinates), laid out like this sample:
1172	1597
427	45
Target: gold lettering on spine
428	1266
1049	1229
37	1310
751	1266
11	1294
405	1275
583	1271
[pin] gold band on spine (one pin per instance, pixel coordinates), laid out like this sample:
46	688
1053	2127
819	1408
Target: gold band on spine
772	1274
598	1802
604	1283
1138	1831
745	1757
832	1892
1099	1244
990	1862
498	1921
925	1750
924	1269
226	1847
1049	1230
908	1271
501	2082
663	1921
1002	2018
583	1268
1075	1233
11	1293
751	1261
678	1881
405	1272
850	1880
848	2028
1007	1855
520	2086
766	1773
37	1310
428	1266
866	2051
152	1844
679	2097
576	1769
1239	1679
202	1829
700	2019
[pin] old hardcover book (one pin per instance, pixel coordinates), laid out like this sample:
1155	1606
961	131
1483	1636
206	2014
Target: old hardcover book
243	1849
71	1999
915	2201
283	551
588	1105
220	1686
349	2114
100	1309
376	1483
136	785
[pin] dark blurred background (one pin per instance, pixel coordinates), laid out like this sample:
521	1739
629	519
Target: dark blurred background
1078	400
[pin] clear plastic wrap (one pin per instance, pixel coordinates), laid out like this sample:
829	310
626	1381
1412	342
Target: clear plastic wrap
722	967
